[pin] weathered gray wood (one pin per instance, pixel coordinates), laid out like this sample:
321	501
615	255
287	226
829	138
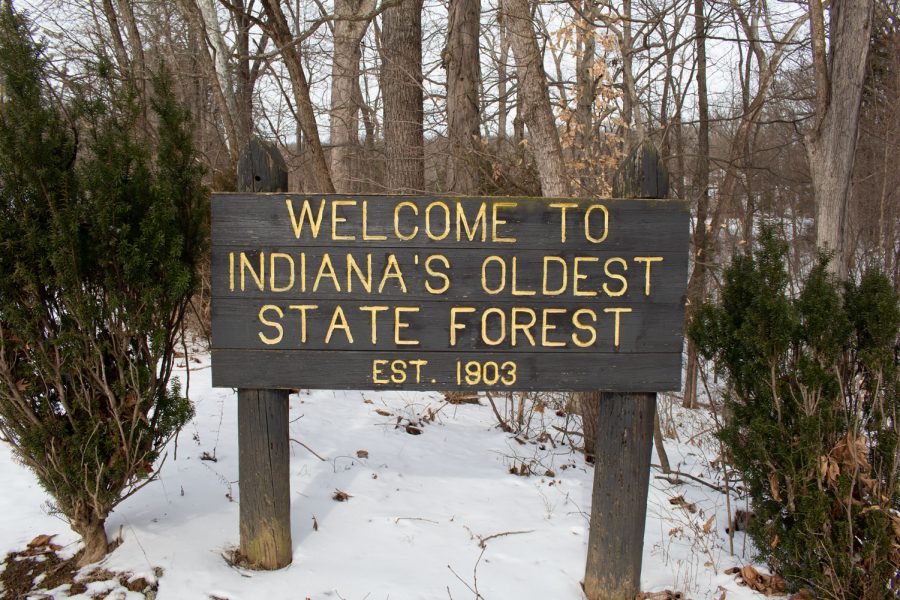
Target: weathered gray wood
262	221
465	270
261	168
487	254
623	434
619	501
263	436
647	328
534	371
264	460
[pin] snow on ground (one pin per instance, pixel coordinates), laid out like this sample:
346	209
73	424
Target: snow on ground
419	507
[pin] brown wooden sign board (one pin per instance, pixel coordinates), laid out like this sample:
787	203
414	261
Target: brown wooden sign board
446	293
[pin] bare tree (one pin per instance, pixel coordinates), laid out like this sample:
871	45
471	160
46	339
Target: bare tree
276	25
352	20
401	85
536	111
831	144
462	61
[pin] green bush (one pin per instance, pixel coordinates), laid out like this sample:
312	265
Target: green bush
811	409
100	233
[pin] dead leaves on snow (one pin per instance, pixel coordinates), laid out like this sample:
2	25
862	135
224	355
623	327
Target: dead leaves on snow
41	544
680	501
770	585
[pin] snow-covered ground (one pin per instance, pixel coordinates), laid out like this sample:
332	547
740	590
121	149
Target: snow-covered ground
419	508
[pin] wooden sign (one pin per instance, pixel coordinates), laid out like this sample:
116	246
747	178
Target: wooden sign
440	293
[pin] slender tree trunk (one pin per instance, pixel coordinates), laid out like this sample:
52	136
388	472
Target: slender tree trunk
831	145
138	64
631	111
401	85
537	113
461	59
118	41
349	29
586	93
245	77
277	28
697	283
222	88
502	79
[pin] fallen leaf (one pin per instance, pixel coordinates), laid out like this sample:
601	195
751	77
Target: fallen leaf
383	412
769	585
41	541
773	484
341	496
362	454
707	527
680	501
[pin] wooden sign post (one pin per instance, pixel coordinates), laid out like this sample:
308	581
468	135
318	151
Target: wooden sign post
448	293
624	439
263	436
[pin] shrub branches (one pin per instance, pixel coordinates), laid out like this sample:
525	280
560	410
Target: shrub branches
100	233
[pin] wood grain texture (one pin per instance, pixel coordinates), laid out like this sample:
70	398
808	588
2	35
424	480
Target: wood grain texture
534	371
262	221
464	271
619	501
655	328
301	274
263	436
263	463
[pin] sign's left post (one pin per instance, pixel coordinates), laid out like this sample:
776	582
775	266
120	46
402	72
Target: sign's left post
263	436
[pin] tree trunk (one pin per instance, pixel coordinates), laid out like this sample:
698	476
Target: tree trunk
586	93
589	406
278	30
91	529
222	88
696	289
461	59
349	29
631	110
831	145
537	113
502	79
401	86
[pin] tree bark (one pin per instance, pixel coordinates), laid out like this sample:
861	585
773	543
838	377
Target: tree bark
537	113
349	29
91	529
277	28
461	59
586	93
401	86
831	145
222	88
696	289
619	501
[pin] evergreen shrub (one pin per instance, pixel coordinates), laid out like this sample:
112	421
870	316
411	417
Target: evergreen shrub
101	228
811	405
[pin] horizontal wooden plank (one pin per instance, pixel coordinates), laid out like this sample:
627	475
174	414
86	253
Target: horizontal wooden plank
426	326
361	370
263	220
458	274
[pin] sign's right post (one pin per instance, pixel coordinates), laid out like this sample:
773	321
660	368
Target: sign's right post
624	439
